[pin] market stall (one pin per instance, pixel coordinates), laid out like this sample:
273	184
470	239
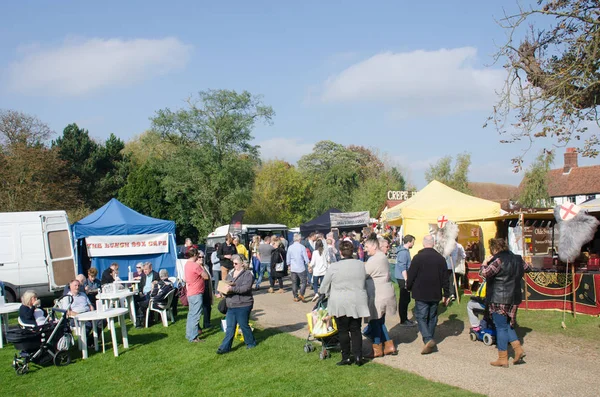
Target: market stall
417	214
334	218
116	233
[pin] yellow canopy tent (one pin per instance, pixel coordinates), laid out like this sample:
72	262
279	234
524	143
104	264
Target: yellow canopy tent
435	199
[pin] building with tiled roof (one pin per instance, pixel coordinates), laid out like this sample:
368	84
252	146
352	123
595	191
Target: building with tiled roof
506	195
572	183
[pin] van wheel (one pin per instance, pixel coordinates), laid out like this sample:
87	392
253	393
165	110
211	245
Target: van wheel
10	296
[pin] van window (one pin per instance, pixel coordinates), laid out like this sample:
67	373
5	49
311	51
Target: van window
60	245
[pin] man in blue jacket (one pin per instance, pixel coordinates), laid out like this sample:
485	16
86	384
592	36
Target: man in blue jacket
402	266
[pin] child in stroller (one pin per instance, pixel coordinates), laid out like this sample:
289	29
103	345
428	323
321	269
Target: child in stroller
483	330
321	327
42	344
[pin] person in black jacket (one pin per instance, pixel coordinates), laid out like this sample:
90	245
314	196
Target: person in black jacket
427	276
226	251
148	278
159	291
503	273
108	275
277	256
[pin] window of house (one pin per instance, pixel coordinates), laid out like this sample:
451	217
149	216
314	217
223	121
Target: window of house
590	197
572	199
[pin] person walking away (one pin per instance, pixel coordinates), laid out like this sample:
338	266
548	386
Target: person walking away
318	266
194	279
239	302
265	249
297	260
216	268
277	257
503	272
401	273
381	296
344	281
427	277
255	261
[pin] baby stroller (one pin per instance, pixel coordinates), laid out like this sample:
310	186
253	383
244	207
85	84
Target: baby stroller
42	345
321	327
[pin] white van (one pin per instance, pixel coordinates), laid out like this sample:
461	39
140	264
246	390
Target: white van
36	252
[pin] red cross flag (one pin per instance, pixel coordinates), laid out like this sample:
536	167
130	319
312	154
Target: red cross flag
568	211
442	220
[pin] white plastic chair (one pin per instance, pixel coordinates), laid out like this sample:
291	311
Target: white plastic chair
168	309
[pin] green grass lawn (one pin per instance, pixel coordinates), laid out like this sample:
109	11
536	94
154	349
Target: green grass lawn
161	362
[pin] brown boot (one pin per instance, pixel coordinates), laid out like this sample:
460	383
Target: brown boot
502	360
389	348
377	351
519	353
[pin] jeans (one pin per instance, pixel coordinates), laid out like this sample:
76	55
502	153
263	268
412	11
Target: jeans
403	301
349	330
473	319
216	278
237	316
376	330
195	309
504	332
427	318
261	271
316	282
298	279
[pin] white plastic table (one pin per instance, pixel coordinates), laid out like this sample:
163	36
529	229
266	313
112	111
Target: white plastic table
109	315
4	311
114	298
133	283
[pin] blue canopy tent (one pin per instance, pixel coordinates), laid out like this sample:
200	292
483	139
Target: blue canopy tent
115	218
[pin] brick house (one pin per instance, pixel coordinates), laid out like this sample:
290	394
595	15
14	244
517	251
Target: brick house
573	184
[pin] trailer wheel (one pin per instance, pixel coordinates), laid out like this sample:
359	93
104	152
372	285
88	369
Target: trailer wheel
11	297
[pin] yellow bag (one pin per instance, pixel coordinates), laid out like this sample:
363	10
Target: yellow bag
238	332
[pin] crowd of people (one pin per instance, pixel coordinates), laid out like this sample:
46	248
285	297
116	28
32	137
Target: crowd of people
352	271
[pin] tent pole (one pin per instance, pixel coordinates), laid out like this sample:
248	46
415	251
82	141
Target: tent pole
573	288
455	285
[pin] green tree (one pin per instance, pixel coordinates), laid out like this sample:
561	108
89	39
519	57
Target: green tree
371	193
534	189
281	194
32	176
457	177
552	86
101	169
211	173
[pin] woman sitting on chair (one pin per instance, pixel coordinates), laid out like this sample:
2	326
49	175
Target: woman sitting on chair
30	313
159	291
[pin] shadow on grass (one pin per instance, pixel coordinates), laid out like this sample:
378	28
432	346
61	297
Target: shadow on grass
453	326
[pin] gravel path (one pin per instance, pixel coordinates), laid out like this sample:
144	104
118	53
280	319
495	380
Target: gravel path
555	366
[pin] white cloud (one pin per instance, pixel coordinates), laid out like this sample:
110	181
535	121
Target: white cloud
288	149
424	82
80	66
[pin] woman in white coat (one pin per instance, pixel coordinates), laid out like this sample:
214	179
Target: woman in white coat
318	266
345	283
382	297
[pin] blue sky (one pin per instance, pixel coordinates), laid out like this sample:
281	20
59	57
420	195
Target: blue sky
411	79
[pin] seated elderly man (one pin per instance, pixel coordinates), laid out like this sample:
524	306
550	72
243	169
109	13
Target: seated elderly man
81	279
80	304
158	293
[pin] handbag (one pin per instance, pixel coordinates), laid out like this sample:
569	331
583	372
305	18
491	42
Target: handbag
222	306
279	266
183	295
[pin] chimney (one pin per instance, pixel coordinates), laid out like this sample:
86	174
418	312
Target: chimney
570	160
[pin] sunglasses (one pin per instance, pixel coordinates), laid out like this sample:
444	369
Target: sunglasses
200	257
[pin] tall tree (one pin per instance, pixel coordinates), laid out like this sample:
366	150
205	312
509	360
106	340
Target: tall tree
371	193
281	195
534	189
32	176
552	88
456	177
211	173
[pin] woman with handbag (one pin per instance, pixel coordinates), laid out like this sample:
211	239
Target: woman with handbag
278	266
239	302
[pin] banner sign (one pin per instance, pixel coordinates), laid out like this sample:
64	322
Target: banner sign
349	219
235	227
135	244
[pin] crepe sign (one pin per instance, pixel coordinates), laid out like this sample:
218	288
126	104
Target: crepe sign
568	211
441	221
133	244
